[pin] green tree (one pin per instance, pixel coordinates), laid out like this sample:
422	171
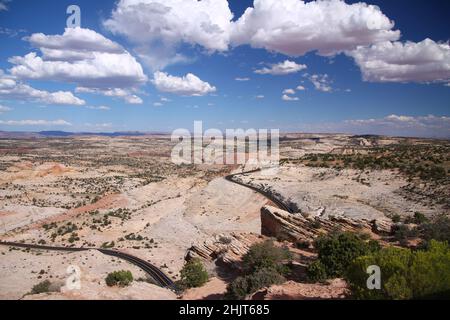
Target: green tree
317	272
437	229
194	274
241	287
336	251
266	255
405	274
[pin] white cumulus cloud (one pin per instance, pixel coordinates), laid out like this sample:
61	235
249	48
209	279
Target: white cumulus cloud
157	27
295	27
189	85
282	68
291	27
425	61
80	56
285	97
12	89
289	91
321	82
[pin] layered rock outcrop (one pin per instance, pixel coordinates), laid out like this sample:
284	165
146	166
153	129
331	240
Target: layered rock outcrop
228	249
297	227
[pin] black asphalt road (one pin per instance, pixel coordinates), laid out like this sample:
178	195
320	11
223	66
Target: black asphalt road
159	276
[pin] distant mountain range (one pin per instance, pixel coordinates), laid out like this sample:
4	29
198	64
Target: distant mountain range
43	134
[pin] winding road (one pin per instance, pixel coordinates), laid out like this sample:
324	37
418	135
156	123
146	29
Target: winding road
159	276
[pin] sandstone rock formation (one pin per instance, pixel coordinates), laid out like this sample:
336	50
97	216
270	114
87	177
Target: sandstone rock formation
297	227
228	249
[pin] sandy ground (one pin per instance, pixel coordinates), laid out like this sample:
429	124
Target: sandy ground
368	195
85	180
22	270
214	289
180	212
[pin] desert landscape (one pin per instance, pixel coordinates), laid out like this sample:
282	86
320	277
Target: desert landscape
124	194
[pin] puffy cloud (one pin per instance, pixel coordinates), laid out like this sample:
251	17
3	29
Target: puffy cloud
73	41
12	89
295	27
102	70
35	123
289	91
282	68
301	88
321	82
285	97
134	99
291	27
425	61
189	85
157	27
80	56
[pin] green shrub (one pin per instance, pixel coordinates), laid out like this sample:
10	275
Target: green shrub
396	218
243	286
193	274
317	272
41	287
419	218
402	233
405	274
438	229
266	256
336	251
120	278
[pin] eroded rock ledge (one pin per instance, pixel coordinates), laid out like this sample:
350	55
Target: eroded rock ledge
276	223
228	249
297	227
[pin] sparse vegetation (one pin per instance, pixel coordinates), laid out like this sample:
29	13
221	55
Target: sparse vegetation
41	287
437	229
429	163
263	265
120	278
193	274
266	256
406	274
245	285
336	252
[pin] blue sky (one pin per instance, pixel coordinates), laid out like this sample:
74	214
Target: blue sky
339	90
